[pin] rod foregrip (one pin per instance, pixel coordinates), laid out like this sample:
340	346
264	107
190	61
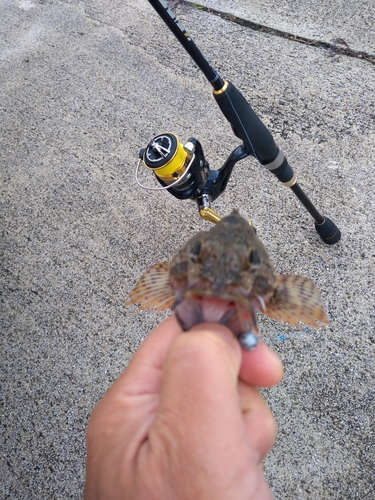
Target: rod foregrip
245	123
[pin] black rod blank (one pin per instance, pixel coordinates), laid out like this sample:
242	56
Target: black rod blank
186	41
318	218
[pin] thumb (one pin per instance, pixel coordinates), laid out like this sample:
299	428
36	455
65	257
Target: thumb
199	429
199	408
200	374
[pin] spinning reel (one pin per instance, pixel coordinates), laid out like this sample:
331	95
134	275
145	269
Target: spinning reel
184	172
182	169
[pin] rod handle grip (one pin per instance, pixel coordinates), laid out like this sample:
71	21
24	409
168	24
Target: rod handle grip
245	123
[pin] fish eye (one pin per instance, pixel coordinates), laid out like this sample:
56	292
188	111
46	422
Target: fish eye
253	257
196	249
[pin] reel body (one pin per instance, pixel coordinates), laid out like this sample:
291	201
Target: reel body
184	172
181	170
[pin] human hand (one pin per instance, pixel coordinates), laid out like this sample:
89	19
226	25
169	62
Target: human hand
184	420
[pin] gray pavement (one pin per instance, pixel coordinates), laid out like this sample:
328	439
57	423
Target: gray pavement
85	85
352	23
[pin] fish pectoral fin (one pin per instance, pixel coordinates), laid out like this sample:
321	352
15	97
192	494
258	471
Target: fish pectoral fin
153	289
296	300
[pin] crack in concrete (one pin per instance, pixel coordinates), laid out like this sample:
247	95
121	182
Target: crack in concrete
336	47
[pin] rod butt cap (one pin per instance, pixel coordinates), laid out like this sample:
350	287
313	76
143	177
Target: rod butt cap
328	231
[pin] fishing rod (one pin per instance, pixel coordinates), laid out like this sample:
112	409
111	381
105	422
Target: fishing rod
182	169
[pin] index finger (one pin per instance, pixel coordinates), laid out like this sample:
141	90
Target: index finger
261	367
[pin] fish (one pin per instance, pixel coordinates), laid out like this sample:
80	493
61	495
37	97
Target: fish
225	275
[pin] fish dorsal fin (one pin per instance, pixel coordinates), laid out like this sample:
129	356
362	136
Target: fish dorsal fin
296	299
154	289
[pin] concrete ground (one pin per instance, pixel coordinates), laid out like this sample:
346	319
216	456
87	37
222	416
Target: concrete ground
349	24
85	85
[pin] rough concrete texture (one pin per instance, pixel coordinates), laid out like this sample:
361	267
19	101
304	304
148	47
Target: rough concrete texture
85	85
351	23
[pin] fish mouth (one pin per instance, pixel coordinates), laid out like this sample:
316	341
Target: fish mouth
237	315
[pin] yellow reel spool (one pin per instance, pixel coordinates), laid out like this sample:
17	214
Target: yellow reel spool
166	157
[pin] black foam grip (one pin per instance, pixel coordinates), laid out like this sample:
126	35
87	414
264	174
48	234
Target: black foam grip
246	124
328	231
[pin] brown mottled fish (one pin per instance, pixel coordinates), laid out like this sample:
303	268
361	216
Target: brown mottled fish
225	275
